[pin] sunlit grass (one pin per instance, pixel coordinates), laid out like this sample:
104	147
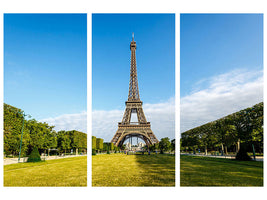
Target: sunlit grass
133	170
59	172
205	171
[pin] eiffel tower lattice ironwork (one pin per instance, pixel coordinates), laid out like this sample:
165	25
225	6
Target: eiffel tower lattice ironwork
126	128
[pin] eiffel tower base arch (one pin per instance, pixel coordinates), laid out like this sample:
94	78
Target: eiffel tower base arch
142	131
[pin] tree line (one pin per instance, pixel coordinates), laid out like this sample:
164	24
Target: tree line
38	135
243	129
164	145
98	145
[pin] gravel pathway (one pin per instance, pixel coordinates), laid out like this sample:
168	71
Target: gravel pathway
258	158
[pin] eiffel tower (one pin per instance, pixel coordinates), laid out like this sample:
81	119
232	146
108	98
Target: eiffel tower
126	128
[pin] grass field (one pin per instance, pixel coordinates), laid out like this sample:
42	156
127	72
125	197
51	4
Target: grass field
133	170
206	171
58	172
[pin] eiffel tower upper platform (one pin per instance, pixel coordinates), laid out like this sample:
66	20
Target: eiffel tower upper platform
126	128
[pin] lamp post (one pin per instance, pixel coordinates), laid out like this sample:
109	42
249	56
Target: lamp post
23	115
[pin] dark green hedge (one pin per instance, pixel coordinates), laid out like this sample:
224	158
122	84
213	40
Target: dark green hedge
34	156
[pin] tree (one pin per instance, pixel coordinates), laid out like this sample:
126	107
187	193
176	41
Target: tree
108	146
36	134
41	135
164	144
84	142
63	141
116	149
207	139
78	140
230	137
50	141
93	142
244	127
152	147
243	123
99	144
222	127
257	123
111	146
12	131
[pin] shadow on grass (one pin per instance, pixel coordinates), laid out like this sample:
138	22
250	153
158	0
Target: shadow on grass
251	163
157	169
204	171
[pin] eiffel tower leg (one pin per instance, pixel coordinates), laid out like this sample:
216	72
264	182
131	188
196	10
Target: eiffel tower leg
148	143
127	116
141	115
117	136
152	137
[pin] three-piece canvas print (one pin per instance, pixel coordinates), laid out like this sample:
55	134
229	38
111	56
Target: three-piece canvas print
133	136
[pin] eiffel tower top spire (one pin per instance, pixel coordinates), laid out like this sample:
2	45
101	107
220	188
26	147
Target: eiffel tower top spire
133	85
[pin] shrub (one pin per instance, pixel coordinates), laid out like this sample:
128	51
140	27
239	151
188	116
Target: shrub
34	156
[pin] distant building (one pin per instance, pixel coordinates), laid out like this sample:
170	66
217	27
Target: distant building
140	145
128	145
137	147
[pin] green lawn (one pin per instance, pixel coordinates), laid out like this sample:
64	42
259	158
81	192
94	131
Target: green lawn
206	171
59	172
133	170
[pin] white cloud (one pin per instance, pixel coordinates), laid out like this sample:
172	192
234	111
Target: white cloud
160	115
69	122
224	94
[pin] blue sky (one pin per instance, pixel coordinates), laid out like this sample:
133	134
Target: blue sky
155	38
45	63
111	36
221	65
212	44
